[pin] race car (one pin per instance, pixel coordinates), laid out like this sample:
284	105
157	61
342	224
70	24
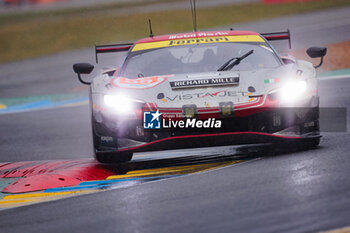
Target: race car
202	89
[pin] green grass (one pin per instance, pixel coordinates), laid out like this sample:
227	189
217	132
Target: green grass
32	35
74	11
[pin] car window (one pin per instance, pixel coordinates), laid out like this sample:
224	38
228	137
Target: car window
196	59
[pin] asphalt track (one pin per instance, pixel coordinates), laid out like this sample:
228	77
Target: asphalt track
303	191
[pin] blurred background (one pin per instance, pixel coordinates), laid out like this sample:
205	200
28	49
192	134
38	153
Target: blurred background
34	28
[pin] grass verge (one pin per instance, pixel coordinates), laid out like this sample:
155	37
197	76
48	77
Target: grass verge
33	36
15	17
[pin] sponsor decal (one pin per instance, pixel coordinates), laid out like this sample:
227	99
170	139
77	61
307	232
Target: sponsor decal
139	83
152	120
198	95
205	40
190	41
198	34
161	97
139	131
272	80
251	89
251	98
204	82
106	140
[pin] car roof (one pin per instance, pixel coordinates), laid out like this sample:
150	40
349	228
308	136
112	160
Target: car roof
192	35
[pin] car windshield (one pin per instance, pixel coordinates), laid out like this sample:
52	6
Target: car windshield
196	59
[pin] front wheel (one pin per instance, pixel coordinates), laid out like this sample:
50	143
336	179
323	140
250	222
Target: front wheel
312	143
113	157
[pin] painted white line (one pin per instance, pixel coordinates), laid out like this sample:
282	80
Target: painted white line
46	108
334	77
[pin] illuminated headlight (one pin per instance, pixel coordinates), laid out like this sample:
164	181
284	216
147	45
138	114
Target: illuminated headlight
293	91
119	103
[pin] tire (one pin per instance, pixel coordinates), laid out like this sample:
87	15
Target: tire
113	157
313	143
109	156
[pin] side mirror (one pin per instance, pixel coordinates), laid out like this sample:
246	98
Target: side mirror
83	68
314	52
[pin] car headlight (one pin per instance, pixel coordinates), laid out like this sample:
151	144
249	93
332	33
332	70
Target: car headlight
292	91
119	103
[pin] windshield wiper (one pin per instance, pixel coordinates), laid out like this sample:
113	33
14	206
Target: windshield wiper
228	65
